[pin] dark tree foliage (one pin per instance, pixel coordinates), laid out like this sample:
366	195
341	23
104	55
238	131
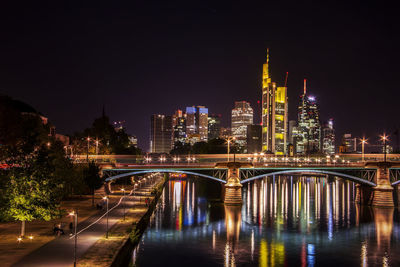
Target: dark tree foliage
110	140
213	146
91	176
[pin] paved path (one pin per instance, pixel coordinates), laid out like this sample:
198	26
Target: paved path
60	252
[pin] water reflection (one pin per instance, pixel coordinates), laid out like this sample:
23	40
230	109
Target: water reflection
284	221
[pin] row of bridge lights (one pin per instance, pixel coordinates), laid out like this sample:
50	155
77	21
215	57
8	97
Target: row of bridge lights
297	160
174	159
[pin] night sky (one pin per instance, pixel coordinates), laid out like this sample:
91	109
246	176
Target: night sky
67	60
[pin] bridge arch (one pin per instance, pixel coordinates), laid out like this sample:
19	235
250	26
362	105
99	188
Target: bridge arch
137	172
311	172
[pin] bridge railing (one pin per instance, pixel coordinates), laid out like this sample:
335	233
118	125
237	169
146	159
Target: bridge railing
259	159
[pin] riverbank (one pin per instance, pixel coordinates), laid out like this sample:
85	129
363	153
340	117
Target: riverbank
40	231
112	251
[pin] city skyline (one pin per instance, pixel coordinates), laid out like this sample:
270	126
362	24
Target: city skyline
80	69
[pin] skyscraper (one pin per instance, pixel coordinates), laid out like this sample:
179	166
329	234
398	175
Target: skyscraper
197	123
242	115
202	122
254	138
274	114
214	126
179	127
328	138
160	134
309	126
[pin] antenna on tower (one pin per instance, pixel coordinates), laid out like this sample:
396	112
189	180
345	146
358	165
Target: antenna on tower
305	87
287	74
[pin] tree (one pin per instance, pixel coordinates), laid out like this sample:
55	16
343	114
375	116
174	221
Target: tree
32	192
91	176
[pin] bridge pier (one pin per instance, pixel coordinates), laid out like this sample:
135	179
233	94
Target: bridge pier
233	187
383	191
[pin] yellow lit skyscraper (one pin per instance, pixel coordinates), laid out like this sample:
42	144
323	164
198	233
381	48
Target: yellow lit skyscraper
274	114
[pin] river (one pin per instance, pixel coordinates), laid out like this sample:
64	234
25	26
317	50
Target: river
284	221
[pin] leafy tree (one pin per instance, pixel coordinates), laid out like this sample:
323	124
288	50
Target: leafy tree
32	191
91	175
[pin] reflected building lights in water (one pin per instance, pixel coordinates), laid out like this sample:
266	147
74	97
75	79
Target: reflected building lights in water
287	219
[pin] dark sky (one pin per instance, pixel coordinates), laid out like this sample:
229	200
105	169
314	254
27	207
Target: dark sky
149	57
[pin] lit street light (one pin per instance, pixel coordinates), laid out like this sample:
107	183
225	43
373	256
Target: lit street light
123	200
363	142
229	139
384	138
75	214
106	198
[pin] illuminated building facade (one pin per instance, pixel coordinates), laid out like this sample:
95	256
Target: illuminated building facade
202	122
197	122
349	144
242	115
179	127
160	134
274	114
214	126
328	138
308	130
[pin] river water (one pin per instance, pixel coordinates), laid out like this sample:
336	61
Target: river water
284	221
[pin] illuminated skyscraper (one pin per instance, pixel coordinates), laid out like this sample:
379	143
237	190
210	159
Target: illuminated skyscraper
242	115
160	134
197	123
309	126
274	114
179	126
328	138
202	122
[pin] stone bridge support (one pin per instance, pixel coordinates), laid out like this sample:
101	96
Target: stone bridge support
233	187
383	191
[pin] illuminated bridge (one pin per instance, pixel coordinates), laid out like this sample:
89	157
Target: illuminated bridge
377	180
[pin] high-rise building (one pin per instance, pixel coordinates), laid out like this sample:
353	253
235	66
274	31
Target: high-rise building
328	138
254	138
292	126
349	144
160	134
309	126
190	120
179	127
274	114
214	126
242	115
197	122
202	122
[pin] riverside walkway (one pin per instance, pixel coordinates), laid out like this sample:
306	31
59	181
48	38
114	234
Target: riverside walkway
60	252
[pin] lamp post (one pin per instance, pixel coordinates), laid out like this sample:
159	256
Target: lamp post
87	152
229	139
123	200
75	214
384	138
363	142
106	199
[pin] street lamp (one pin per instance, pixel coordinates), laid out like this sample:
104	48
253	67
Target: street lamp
106	199
363	142
75	214
123	200
229	139
384	138
87	152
